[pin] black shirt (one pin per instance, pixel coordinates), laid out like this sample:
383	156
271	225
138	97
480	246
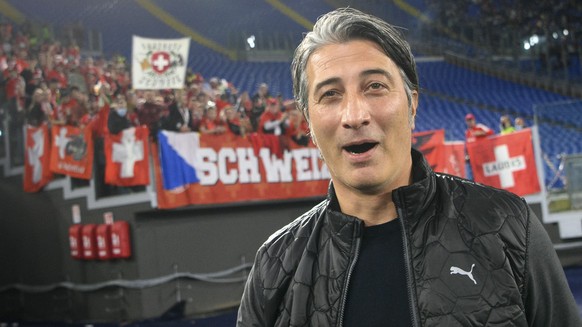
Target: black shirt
377	293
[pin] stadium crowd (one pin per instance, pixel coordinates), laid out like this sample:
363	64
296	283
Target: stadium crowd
44	80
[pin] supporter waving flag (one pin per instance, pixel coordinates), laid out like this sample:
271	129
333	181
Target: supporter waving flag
506	161
37	158
127	157
72	151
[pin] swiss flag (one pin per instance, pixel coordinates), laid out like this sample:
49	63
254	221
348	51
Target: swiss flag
72	151
127	157
37	158
506	162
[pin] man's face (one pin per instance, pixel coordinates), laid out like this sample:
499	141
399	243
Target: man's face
359	116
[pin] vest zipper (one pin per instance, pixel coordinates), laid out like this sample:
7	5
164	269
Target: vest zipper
347	283
407	264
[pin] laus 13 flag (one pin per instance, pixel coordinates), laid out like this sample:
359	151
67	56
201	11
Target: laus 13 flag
127	157
72	151
506	162
37	158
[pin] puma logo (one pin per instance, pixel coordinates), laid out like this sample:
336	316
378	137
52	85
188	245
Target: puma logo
457	270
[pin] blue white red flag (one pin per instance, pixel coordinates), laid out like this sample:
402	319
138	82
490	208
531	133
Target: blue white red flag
178	154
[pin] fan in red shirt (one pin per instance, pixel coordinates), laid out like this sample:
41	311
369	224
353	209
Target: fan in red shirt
211	124
296	127
58	73
474	130
271	121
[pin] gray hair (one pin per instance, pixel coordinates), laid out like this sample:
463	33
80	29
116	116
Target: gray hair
343	25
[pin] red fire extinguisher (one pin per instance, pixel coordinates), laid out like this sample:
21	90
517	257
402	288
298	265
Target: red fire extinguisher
120	240
89	241
75	241
103	233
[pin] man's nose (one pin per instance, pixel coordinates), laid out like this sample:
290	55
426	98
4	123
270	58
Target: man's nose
356	113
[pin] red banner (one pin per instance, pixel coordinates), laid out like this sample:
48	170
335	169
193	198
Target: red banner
453	162
228	170
127	157
36	158
443	157
505	161
72	151
430	143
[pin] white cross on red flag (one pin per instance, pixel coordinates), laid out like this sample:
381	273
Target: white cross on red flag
37	158
127	157
506	162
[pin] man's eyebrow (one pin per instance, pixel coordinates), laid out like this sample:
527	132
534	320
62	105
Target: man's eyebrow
377	71
365	73
328	81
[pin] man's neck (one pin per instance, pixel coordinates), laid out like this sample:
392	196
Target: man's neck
372	209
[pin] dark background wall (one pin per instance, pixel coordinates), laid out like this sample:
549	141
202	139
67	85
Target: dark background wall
34	251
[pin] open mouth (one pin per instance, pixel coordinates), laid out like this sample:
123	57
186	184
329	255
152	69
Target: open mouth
360	148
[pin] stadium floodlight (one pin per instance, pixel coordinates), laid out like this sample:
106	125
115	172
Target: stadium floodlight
251	41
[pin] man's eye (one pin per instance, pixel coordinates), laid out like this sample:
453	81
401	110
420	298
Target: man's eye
376	86
328	94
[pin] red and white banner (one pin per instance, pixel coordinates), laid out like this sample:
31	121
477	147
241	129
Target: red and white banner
127	157
430	143
443	157
506	162
37	158
72	151
228	170
453	159
159	63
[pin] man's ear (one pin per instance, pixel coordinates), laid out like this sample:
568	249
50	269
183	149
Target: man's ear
413	107
315	142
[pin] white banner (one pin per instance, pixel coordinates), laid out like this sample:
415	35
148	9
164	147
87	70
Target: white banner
159	63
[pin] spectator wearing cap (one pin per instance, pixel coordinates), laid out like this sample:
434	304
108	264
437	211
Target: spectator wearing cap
272	120
475	131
